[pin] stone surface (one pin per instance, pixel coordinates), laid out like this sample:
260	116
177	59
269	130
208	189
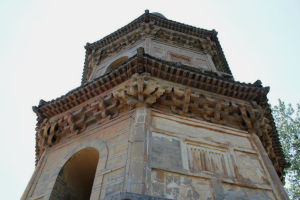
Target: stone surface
165	152
133	196
166	119
164	156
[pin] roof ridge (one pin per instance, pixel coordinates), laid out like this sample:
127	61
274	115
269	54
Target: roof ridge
206	73
143	18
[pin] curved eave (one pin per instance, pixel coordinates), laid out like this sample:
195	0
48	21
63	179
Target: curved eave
161	22
171	71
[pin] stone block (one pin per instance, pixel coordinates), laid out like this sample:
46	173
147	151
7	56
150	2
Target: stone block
166	152
178	186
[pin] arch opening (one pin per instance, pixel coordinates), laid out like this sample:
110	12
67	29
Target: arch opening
116	63
76	177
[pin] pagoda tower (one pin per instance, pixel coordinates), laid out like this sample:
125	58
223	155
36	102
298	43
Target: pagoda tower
158	115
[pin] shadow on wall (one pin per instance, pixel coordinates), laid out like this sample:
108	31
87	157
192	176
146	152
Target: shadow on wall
116	63
76	177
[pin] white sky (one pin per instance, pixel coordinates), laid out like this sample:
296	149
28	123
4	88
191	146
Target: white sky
42	55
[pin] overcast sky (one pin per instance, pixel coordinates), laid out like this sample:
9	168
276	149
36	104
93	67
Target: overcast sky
42	56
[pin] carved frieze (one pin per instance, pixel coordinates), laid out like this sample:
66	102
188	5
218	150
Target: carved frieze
142	89
208	159
95	56
76	121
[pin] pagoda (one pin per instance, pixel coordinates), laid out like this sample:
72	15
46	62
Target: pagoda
158	115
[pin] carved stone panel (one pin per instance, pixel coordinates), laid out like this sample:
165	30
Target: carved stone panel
166	152
180	187
203	63
112	183
235	192
195	59
250	169
176	57
159	52
210	135
208	159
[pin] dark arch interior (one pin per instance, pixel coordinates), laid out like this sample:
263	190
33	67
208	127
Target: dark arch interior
75	179
116	63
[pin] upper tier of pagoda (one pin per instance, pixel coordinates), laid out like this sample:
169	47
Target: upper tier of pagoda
161	38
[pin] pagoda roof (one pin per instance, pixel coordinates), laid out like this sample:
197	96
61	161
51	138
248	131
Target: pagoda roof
205	80
189	76
159	20
170	71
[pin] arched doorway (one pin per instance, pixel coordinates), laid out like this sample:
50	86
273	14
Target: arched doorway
76	177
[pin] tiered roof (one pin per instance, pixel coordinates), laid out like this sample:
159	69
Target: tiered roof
161	22
142	63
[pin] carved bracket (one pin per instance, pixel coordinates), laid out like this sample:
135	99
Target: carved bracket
142	89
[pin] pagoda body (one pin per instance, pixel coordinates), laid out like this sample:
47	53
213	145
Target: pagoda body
158	116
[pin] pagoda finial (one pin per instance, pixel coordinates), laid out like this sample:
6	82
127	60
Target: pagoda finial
147	16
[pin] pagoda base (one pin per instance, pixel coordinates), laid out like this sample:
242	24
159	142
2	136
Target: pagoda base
133	196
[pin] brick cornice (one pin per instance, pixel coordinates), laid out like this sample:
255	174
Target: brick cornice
157	93
171	71
159	83
149	24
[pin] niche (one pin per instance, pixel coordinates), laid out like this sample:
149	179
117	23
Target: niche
76	177
116	64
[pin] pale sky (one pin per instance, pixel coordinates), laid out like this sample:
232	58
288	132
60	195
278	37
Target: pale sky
42	56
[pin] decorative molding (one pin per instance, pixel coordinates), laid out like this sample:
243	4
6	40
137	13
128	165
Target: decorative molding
144	89
150	25
141	63
96	56
207	159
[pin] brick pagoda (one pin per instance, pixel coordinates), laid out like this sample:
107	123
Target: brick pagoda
158	115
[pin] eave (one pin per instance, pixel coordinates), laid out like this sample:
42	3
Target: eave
175	72
160	22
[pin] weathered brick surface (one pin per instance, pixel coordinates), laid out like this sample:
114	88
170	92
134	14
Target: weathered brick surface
165	152
110	140
133	196
221	163
151	155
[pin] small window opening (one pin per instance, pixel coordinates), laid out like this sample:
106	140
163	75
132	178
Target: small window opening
116	63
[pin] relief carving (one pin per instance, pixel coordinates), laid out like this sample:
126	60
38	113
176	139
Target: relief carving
95	56
206	159
175	57
174	186
250	169
75	122
144	89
